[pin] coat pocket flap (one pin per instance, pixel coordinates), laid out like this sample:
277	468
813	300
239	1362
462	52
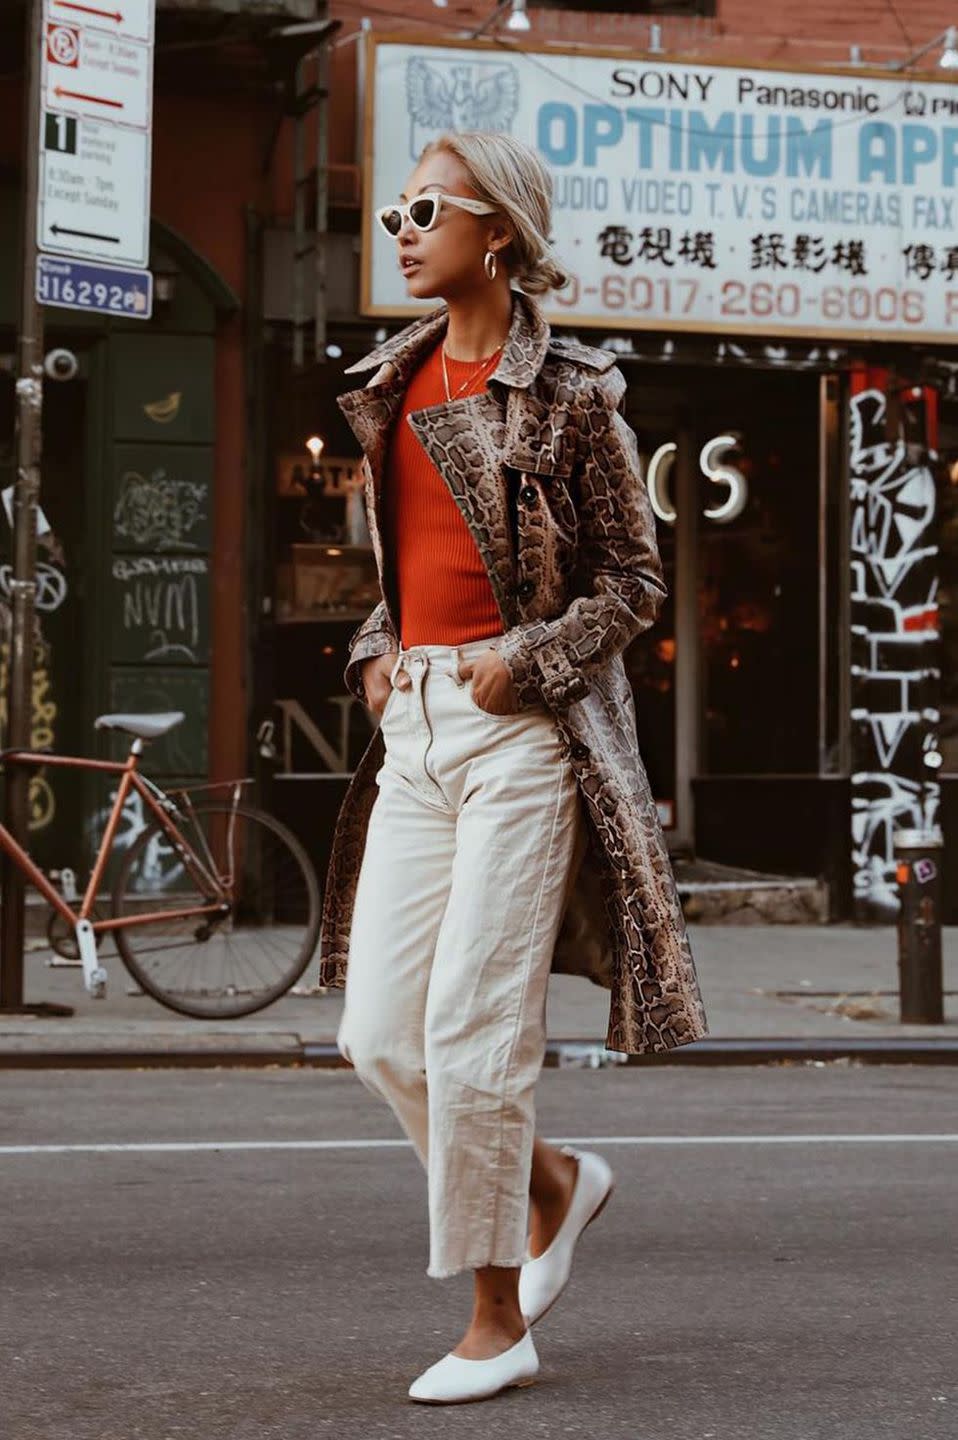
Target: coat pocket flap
538	437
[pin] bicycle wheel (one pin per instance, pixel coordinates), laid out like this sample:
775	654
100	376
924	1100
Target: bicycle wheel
263	934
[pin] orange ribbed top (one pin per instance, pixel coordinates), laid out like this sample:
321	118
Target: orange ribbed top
444	593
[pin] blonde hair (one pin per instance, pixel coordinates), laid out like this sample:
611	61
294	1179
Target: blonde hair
510	175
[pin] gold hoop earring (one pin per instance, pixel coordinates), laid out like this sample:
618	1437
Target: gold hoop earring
490	264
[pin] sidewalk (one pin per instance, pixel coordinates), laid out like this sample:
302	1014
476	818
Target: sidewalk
771	992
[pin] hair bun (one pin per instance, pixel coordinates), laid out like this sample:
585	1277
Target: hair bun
509	174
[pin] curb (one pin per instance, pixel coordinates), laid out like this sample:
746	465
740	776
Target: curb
152	1052
246	1052
889	1050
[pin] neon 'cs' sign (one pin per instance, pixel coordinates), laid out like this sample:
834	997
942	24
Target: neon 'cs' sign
711	461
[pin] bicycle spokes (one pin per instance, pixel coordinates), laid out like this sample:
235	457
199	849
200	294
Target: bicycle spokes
234	905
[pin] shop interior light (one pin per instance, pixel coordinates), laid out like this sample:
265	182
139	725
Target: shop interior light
518	20
164	283
949	56
311	480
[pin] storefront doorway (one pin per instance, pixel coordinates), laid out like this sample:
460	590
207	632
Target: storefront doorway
736	677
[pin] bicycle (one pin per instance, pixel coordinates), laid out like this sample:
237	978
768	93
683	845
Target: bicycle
202	894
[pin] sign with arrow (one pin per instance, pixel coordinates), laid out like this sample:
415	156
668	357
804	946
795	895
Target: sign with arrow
95	141
91	72
132	18
94	196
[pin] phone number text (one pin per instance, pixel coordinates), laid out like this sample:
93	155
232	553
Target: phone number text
733	300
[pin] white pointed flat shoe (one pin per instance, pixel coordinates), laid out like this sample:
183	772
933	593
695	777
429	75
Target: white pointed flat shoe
543	1278
454	1379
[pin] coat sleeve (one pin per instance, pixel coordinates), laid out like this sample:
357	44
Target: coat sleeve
375	636
553	660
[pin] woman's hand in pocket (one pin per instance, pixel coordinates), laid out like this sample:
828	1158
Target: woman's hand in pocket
376	683
492	687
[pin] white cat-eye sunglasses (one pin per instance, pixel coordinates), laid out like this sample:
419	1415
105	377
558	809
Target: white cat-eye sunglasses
423	210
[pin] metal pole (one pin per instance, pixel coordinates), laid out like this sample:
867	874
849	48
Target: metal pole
918	857
688	687
25	493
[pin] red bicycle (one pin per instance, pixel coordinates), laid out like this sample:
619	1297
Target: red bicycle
216	906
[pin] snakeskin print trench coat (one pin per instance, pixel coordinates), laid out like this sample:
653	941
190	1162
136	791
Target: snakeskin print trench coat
545	472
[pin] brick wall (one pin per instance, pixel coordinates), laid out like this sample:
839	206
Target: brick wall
816	31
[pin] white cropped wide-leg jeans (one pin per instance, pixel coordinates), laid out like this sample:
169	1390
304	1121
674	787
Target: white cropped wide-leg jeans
471	850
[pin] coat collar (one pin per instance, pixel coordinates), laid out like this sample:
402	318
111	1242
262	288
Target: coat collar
520	361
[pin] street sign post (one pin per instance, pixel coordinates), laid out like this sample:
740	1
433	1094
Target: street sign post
23	580
86	196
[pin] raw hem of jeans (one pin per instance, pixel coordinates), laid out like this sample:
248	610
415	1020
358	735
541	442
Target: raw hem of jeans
443	1273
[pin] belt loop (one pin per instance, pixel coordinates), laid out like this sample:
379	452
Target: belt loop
456	657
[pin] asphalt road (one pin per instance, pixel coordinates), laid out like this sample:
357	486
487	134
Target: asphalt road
780	1286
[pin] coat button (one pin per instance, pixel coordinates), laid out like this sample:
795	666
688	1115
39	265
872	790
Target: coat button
529	495
524	589
578	751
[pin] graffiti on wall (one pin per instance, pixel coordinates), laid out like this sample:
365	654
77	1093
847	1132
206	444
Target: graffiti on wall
159	867
51	592
158	510
894	622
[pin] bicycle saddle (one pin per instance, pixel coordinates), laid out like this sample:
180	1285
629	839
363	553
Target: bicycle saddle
145	727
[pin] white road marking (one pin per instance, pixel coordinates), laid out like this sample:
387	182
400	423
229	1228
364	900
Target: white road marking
162	1147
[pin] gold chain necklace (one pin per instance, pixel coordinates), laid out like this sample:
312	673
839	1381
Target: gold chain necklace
489	361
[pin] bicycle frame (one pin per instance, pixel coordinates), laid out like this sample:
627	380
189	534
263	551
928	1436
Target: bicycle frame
130	780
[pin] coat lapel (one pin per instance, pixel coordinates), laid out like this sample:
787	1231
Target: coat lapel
464	440
469	440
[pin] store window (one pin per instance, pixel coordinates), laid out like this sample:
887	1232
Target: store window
321	580
759	579
754	441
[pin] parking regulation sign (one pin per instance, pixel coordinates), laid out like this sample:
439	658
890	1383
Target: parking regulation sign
89	72
95	131
94	190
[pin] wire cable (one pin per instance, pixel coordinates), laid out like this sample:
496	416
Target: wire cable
735	135
890	5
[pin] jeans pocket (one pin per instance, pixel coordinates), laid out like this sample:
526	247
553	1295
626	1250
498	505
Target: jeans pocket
486	714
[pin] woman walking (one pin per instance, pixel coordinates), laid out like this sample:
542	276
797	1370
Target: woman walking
499	825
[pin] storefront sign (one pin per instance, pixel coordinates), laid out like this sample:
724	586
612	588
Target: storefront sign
338	473
714	467
698	197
